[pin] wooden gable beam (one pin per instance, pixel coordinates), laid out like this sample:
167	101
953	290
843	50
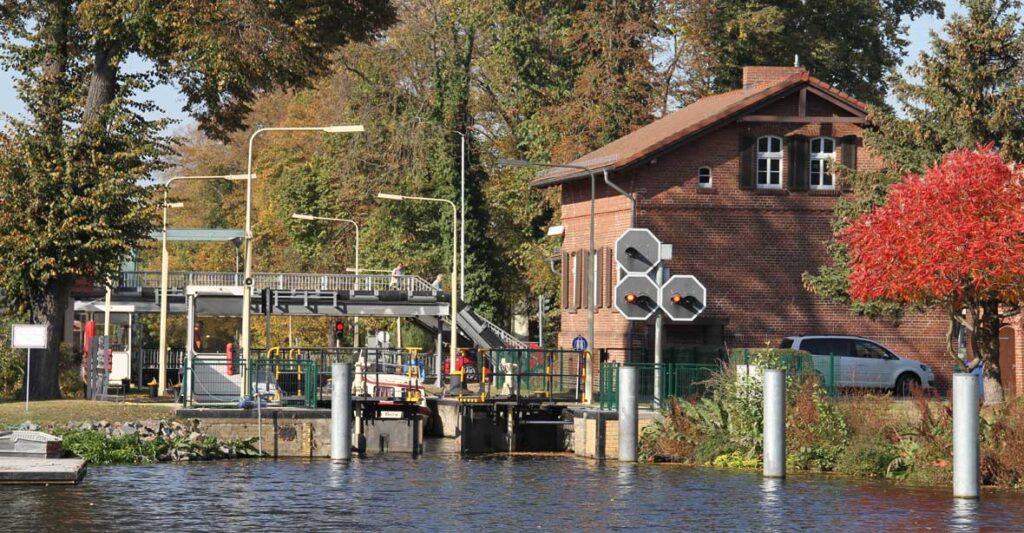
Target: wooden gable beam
807	119
802	107
830	98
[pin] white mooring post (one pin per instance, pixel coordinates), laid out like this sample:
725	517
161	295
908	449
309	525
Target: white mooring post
341	411
965	436
774	423
628	413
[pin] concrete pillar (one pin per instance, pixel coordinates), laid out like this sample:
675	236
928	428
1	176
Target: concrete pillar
965	436
341	411
774	423
628	413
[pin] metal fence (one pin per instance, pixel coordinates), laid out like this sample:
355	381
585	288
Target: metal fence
151	358
208	380
283	281
677	380
286	381
534	373
826	368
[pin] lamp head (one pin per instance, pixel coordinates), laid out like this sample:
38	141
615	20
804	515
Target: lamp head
299	216
389	196
515	163
175	205
349	128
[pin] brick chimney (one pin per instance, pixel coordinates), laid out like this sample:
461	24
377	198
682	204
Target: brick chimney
755	75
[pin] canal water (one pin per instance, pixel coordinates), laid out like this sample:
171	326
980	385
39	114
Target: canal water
448	493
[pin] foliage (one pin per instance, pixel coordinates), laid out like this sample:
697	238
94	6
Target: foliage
717	37
964	92
99	448
949	238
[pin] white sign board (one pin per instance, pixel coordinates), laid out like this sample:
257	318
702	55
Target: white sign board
28	336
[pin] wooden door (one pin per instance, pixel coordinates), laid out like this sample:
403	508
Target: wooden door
1008	359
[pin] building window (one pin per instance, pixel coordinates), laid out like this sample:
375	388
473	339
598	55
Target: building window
704	177
823	157
769	162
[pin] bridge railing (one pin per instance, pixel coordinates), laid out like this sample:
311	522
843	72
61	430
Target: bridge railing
136	280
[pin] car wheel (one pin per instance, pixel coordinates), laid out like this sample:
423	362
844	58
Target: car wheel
470	373
906	383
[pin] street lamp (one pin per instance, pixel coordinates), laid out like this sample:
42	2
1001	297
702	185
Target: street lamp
299	216
247	277
462	216
591	257
164	267
453	343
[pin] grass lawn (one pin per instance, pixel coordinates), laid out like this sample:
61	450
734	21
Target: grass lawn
59	412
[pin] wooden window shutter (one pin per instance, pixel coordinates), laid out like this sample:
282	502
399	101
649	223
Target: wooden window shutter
577	282
799	148
599	279
566	267
586	279
848	153
748	162
611	270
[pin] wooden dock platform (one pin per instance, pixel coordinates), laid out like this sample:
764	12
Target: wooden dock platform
37	471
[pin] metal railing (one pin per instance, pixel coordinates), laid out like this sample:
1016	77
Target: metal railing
151	358
507	338
826	368
678	380
207	381
534	373
136	280
286	381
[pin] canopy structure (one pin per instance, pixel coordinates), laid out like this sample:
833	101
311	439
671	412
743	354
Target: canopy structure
202	234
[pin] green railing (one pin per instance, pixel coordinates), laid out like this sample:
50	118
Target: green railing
678	380
289	381
206	381
826	368
534	373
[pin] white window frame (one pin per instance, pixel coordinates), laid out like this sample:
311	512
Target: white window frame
769	156
823	157
711	178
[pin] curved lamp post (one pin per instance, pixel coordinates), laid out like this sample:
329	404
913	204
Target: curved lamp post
247	278
454	342
164	274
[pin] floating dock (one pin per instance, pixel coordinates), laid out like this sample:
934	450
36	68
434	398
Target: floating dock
38	471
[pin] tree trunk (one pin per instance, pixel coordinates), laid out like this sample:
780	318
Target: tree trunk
102	86
987	333
50	310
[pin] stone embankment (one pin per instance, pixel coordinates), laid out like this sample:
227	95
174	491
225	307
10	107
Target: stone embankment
145	441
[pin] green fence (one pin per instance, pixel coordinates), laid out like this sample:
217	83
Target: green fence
288	381
678	380
827	368
534	373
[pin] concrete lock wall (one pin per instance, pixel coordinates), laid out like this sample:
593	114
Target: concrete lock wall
311	437
596	433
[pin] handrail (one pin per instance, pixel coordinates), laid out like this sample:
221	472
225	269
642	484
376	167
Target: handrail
135	280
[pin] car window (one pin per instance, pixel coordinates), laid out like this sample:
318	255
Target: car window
868	350
786	343
826	346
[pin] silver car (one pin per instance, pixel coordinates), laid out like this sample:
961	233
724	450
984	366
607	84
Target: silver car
864	363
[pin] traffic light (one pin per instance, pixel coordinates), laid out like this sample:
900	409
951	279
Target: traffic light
683	298
339	332
636	297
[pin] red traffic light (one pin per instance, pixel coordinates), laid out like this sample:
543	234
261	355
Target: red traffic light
677	299
339	326
631	298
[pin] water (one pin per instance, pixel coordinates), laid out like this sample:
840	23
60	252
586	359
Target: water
448	493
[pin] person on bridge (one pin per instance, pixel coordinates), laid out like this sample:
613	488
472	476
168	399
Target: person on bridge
438	281
396	275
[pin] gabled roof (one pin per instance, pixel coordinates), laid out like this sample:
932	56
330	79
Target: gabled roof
680	126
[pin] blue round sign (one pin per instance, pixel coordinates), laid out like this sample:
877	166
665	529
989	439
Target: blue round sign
579	343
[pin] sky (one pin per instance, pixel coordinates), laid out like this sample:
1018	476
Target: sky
171	101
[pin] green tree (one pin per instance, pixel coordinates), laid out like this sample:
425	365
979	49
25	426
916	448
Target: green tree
966	91
69	175
851	44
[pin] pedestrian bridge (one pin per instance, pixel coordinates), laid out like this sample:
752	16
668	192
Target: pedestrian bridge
303	294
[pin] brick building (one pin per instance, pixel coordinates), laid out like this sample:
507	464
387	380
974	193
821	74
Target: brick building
741	185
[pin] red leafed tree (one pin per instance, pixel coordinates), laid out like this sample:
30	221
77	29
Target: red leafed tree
951	238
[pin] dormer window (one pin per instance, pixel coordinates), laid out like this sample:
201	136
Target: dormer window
823	156
704	177
769	162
